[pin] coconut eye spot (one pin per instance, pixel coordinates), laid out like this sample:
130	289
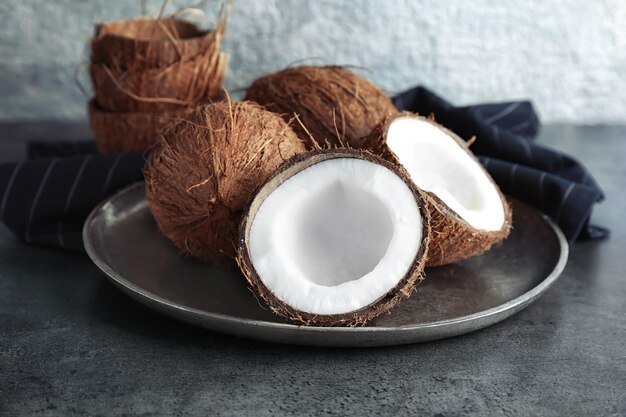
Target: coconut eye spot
336	236
437	163
341	234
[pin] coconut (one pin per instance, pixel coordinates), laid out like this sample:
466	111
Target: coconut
156	64
334	237
468	212
127	132
205	168
152	43
183	84
333	105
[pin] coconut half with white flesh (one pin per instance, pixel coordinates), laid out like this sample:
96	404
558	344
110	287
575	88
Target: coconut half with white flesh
468	212
334	237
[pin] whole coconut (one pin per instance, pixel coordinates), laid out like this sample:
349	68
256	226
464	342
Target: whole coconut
204	169
334	106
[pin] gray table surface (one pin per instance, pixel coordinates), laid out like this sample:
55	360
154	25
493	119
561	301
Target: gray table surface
72	344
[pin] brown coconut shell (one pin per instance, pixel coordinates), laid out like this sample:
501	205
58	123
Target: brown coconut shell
360	317
205	168
334	106
183	84
156	64
151	43
452	238
127	132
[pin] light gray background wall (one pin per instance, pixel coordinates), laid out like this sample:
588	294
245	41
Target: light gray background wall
569	57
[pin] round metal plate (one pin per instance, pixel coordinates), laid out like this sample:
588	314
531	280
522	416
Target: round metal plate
122	239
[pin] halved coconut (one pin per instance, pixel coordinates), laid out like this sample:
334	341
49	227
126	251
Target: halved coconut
127	131
183	84
334	237
468	212
152	43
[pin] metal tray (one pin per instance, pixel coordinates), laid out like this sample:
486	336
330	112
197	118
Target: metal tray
122	239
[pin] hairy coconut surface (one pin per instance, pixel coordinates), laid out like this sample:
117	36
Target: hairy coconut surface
453	239
152	43
127	132
204	169
334	238
334	106
468	212
182	84
156	64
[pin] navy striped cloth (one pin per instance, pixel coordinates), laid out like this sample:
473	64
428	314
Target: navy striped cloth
45	199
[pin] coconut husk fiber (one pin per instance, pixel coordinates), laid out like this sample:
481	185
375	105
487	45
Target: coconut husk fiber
452	238
334	106
403	289
127	132
182	84
151	43
156	64
204	169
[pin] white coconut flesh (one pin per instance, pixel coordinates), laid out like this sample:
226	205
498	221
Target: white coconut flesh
336	237
437	163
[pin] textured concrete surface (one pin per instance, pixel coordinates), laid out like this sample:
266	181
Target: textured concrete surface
567	56
72	345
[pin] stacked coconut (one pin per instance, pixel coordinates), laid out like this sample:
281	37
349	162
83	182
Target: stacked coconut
146	72
331	201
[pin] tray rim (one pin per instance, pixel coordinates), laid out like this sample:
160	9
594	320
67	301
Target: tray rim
169	307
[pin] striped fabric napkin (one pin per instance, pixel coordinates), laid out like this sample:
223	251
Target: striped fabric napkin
45	199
